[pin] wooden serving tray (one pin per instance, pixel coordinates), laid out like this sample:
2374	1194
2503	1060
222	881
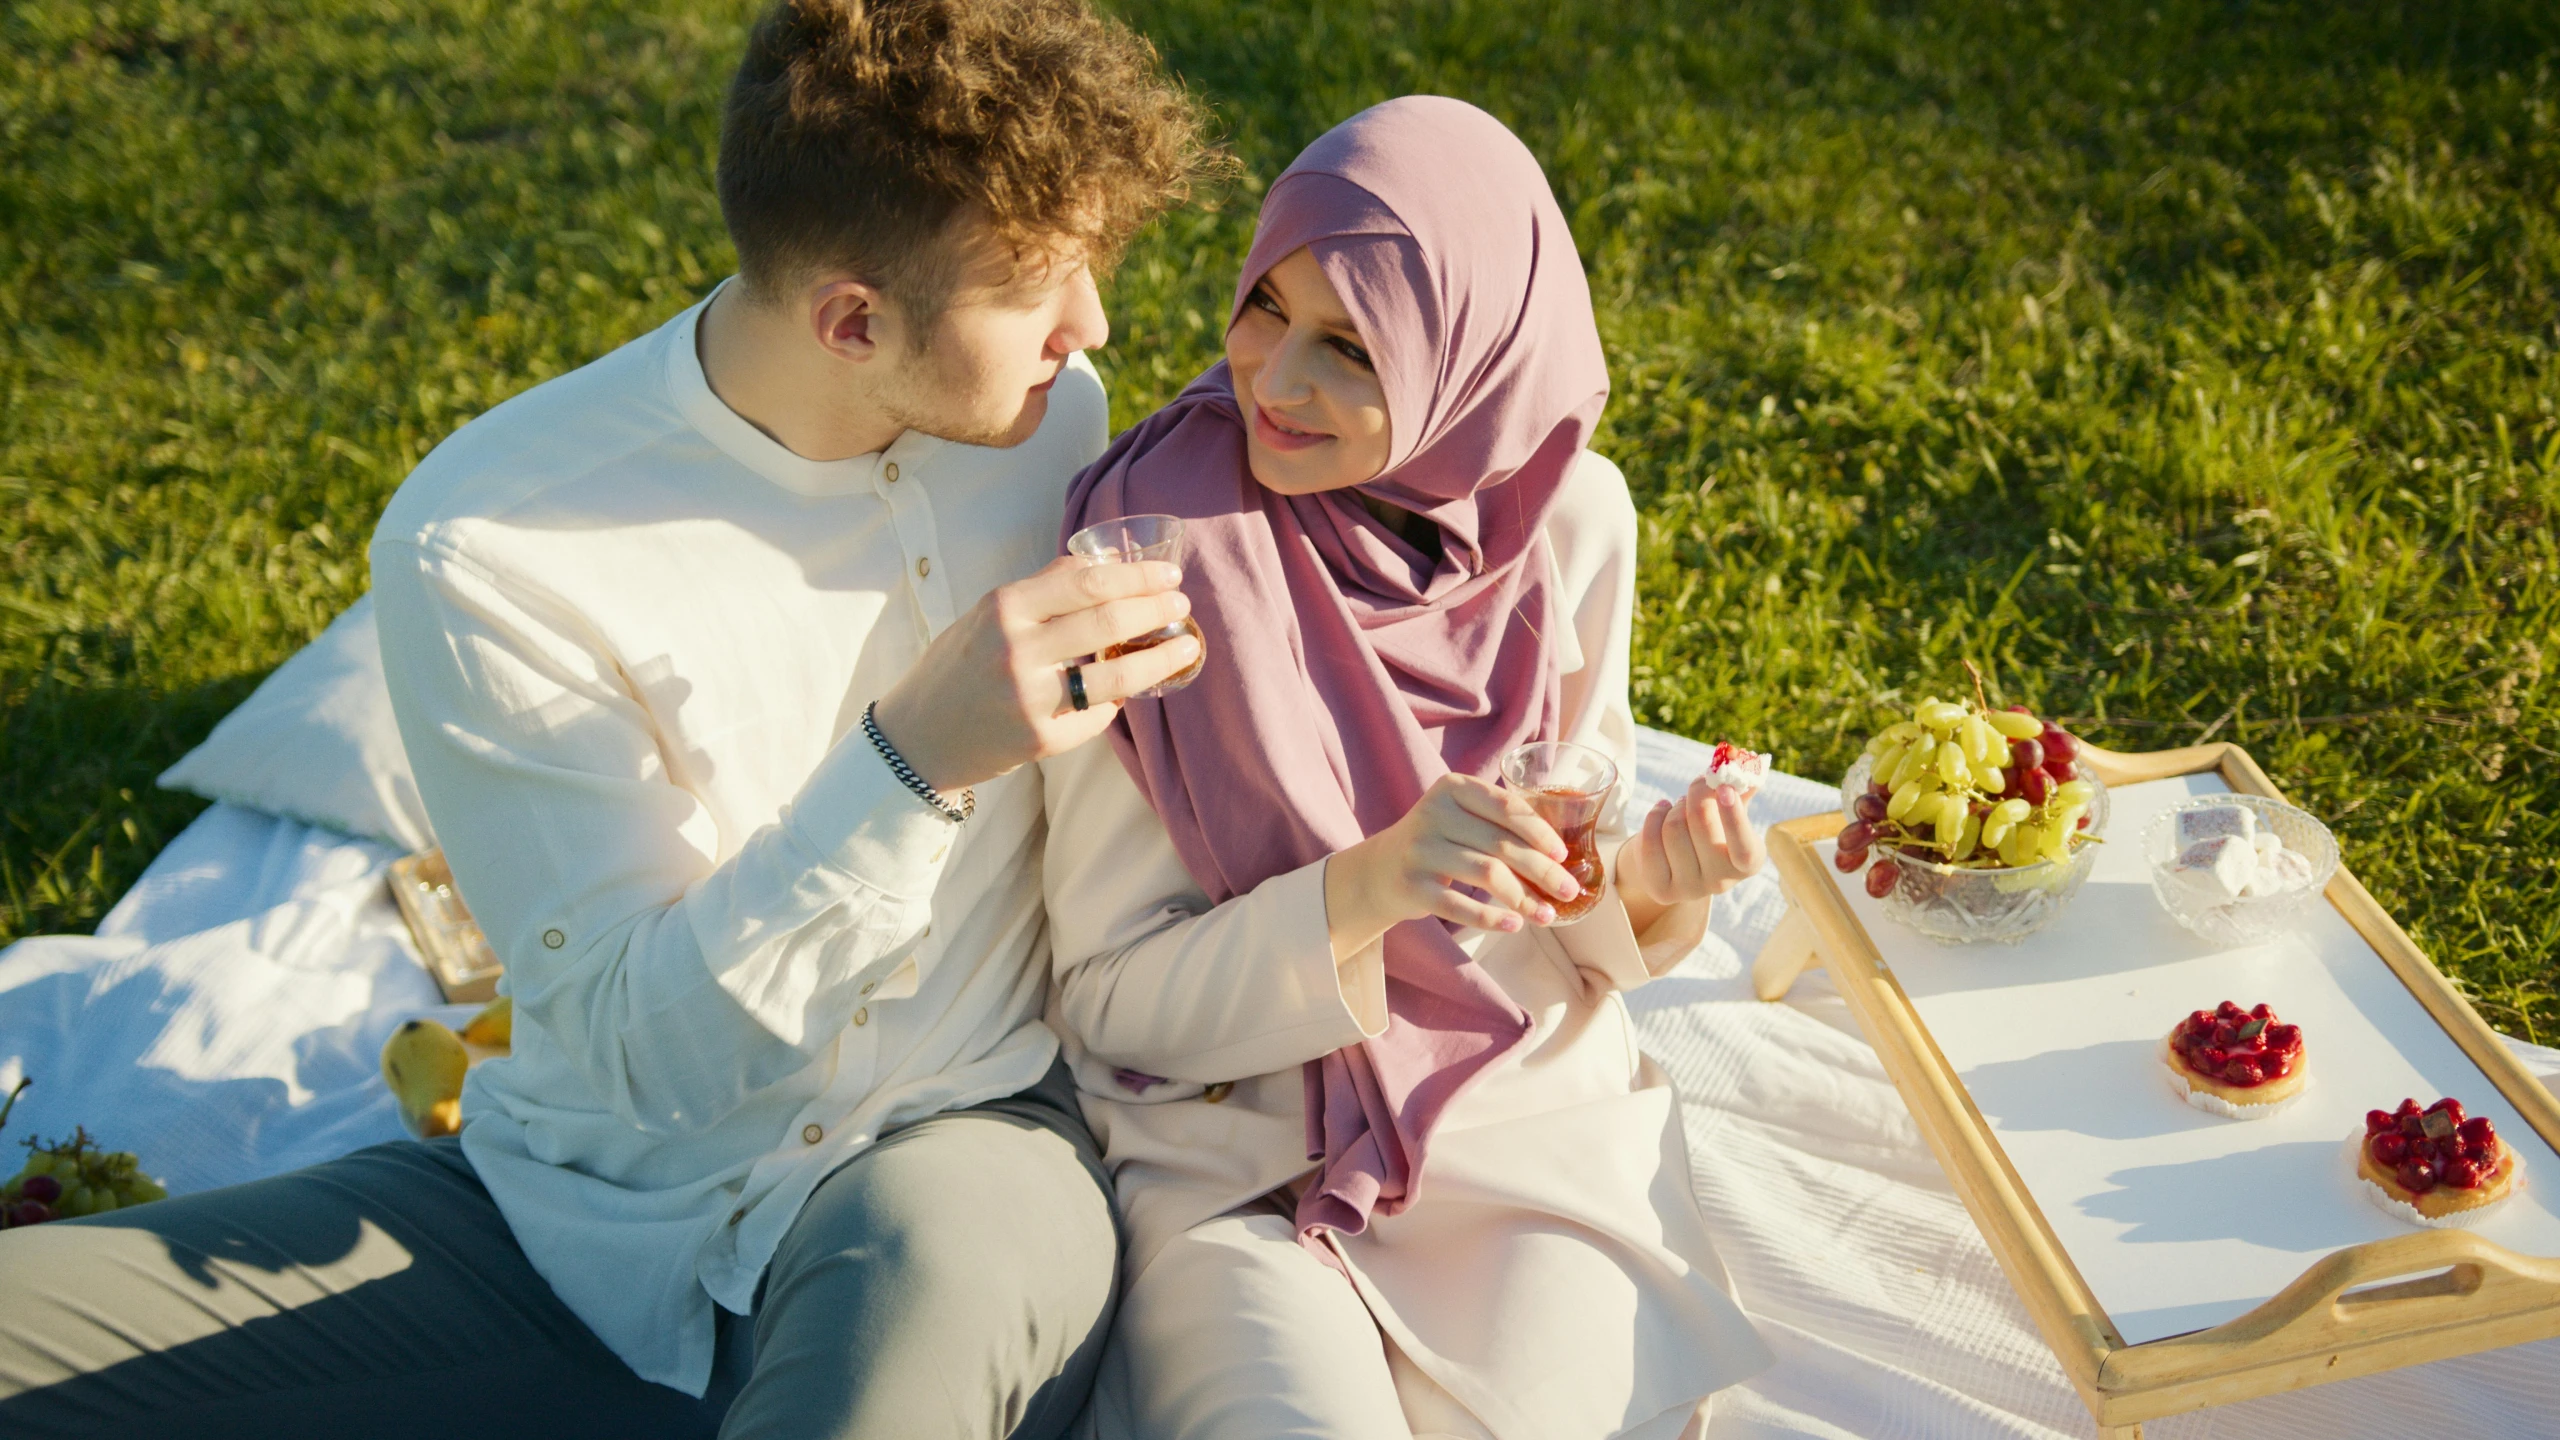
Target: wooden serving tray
2425	1295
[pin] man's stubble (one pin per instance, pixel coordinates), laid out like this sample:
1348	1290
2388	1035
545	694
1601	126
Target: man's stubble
925	403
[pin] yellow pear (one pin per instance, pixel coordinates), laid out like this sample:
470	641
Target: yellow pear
423	1062
494	1028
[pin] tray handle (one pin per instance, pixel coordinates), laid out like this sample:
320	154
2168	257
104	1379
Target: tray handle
2116	767
2385	1290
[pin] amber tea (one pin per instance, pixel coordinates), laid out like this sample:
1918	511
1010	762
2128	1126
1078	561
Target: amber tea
1154	638
1127	540
1581	855
1569	786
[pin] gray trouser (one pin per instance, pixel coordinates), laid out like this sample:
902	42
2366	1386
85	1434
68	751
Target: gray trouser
955	1279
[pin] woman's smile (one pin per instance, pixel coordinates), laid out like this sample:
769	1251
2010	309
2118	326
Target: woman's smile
1278	434
1317	410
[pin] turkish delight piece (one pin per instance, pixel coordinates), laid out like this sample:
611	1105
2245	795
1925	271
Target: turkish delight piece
2219	869
2286	870
2206	822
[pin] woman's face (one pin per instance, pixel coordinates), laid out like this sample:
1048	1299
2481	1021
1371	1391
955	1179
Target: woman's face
1315	416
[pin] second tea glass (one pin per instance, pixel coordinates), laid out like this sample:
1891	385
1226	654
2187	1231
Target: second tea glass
1129	539
1569	786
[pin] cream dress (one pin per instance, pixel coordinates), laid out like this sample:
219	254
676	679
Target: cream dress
1553	1279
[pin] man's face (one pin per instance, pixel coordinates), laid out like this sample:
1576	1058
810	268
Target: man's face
982	376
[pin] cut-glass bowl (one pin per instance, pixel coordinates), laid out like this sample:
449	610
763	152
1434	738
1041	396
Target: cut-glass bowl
1956	906
2246	919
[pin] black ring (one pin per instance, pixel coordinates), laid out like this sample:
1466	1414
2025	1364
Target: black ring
1075	687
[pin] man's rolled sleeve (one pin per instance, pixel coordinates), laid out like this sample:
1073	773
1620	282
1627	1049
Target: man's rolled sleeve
859	819
855	860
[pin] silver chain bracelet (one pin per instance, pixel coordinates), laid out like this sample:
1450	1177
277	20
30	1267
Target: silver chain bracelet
908	777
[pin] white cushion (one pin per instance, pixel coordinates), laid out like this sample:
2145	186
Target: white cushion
317	743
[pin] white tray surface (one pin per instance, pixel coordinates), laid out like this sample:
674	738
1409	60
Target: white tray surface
2177	1219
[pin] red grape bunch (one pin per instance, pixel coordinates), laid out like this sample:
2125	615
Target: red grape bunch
1969	787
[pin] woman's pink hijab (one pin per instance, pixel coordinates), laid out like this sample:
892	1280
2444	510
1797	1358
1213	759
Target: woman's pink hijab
1347	670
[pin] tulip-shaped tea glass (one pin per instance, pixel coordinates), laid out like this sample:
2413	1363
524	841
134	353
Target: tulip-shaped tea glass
1568	785
1127	540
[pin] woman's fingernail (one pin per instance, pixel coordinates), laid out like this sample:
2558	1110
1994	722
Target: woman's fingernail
1547	913
1571	889
1510	922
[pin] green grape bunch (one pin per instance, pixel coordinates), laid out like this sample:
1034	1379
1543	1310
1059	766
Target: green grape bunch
70	1178
1969	787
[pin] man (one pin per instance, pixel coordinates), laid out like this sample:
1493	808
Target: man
721	675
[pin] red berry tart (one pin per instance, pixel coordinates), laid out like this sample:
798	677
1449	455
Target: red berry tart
2435	1166
2245	1064
1734	768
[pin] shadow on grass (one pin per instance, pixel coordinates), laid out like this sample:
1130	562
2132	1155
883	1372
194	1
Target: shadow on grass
79	814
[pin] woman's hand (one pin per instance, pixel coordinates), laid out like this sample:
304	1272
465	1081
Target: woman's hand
1690	849
1461	832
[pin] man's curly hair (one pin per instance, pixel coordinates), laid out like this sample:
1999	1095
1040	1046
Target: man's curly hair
858	131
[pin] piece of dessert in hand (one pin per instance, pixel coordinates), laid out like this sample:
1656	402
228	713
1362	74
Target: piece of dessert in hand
2241	1064
2437	1166
1735	768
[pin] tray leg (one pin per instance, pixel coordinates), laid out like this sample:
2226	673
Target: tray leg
1789	953
2120	1432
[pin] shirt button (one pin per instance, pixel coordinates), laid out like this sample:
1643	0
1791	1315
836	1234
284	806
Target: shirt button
812	1134
862	1016
1219	1092
870	985
891	472
737	1215
924	566
553	939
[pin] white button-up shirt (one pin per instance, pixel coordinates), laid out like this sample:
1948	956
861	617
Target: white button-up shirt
630	639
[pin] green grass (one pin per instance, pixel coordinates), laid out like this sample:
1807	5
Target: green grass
2190	366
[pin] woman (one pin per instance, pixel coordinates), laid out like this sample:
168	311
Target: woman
1390	1161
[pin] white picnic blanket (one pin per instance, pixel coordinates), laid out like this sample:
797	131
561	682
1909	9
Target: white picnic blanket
224	1021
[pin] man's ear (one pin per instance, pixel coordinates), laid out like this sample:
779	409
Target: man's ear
849	319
